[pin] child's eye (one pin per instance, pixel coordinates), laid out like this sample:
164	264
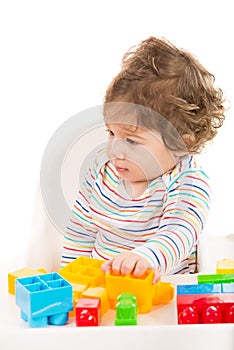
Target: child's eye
110	132
132	142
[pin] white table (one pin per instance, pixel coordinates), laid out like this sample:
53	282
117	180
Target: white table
155	330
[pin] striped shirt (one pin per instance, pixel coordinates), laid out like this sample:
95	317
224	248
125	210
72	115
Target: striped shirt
162	225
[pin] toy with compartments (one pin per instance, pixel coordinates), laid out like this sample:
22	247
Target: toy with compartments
44	299
87	272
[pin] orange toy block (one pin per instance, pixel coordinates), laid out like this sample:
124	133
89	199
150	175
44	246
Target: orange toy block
163	293
84	270
225	266
142	287
24	272
98	292
77	290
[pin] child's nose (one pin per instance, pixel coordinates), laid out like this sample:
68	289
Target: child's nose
116	149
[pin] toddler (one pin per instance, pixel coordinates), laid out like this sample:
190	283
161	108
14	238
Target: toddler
144	200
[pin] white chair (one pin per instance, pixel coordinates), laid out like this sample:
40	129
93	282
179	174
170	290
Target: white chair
73	142
62	163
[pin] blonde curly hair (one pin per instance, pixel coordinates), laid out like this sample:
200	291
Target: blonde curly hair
174	84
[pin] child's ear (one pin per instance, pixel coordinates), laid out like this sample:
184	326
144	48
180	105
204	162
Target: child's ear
189	139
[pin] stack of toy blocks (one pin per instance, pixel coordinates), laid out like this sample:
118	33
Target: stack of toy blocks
209	301
147	293
141	287
89	281
82	289
44	299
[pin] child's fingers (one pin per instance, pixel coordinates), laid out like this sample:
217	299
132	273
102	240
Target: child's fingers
140	268
125	264
128	265
122	264
157	275
116	265
106	266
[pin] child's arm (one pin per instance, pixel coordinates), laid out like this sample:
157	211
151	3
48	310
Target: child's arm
184	214
80	234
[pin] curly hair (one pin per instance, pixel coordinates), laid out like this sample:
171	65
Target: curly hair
172	82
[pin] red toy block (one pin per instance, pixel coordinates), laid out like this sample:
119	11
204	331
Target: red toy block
88	312
201	308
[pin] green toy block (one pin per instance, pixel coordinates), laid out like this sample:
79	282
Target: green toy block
216	278
126	310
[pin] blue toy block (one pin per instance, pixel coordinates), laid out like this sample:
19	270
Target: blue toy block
44	299
228	288
199	289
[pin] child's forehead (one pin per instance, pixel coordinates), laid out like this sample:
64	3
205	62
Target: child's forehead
127	127
133	130
131	116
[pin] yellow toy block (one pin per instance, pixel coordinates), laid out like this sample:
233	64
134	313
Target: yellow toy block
84	270
24	272
164	293
89	281
225	266
98	292
141	287
77	290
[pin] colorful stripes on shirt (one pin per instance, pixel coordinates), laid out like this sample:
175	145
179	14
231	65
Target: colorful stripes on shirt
162	225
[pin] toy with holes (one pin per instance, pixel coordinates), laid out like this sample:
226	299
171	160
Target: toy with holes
205	303
44	299
147	293
84	270
86	273
87	280
225	266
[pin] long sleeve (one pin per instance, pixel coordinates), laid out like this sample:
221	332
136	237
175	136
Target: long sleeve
80	233
185	210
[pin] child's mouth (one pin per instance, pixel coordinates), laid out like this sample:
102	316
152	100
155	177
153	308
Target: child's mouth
121	170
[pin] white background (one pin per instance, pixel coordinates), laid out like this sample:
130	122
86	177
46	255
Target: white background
56	59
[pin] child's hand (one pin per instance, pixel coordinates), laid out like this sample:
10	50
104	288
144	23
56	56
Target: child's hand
126	263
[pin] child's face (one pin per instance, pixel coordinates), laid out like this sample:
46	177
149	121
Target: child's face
138	154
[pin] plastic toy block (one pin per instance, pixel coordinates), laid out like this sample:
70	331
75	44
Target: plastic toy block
225	266
215	278
77	290
24	272
98	292
228	288
164	293
217	306
88	312
44	299
198	289
84	270
126	310
141	287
